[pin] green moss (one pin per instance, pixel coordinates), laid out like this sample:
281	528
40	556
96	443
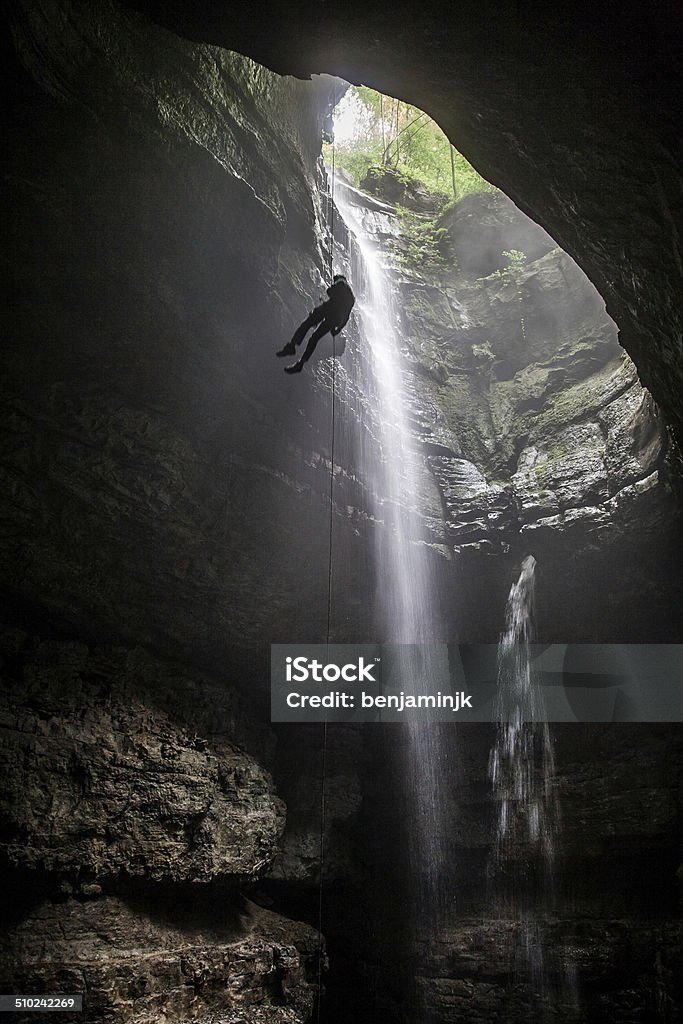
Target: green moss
421	245
575	403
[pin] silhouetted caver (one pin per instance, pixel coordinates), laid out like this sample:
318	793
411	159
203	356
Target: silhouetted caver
330	316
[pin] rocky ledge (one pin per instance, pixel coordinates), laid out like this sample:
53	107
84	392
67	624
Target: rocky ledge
532	416
175	958
108	776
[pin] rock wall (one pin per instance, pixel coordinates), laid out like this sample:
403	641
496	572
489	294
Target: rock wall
542	411
503	361
611	931
182	958
165	232
536	429
115	767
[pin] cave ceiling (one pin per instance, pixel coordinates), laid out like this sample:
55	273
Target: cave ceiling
573	110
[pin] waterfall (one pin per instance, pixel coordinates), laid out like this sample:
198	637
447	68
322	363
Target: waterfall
522	773
396	472
521	764
405	600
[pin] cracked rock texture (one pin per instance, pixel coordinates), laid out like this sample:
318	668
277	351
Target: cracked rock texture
536	406
102	783
139	960
533	422
164	232
610	929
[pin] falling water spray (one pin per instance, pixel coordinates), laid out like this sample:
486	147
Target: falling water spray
407	610
521	764
527	829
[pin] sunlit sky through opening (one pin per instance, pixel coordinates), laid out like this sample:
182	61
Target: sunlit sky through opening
350	118
375	130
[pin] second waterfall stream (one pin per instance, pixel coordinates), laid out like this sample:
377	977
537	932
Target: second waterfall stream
527	827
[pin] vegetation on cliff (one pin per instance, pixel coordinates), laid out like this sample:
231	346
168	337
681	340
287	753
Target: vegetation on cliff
373	130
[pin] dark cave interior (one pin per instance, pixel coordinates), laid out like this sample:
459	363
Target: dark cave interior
165	504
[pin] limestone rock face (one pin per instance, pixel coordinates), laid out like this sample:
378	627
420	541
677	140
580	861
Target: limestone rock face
100	783
604	950
607	927
400	190
185	960
166	228
166	233
536	421
474	228
166	484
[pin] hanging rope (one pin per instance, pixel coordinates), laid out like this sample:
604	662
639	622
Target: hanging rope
334	375
329	598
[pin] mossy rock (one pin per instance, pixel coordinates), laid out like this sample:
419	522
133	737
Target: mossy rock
400	189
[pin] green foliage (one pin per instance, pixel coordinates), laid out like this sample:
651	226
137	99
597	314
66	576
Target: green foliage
515	257
419	246
510	274
515	262
372	129
483	356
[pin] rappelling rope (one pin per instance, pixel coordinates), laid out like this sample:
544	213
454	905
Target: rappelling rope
329	598
334	376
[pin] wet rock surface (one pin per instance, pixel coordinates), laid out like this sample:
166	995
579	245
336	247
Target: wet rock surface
608	928
532	420
185	959
537	413
166	234
102	783
401	190
599	951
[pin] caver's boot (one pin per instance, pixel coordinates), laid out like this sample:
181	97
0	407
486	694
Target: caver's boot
288	350
296	367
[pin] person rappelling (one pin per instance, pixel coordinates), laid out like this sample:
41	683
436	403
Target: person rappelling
331	316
